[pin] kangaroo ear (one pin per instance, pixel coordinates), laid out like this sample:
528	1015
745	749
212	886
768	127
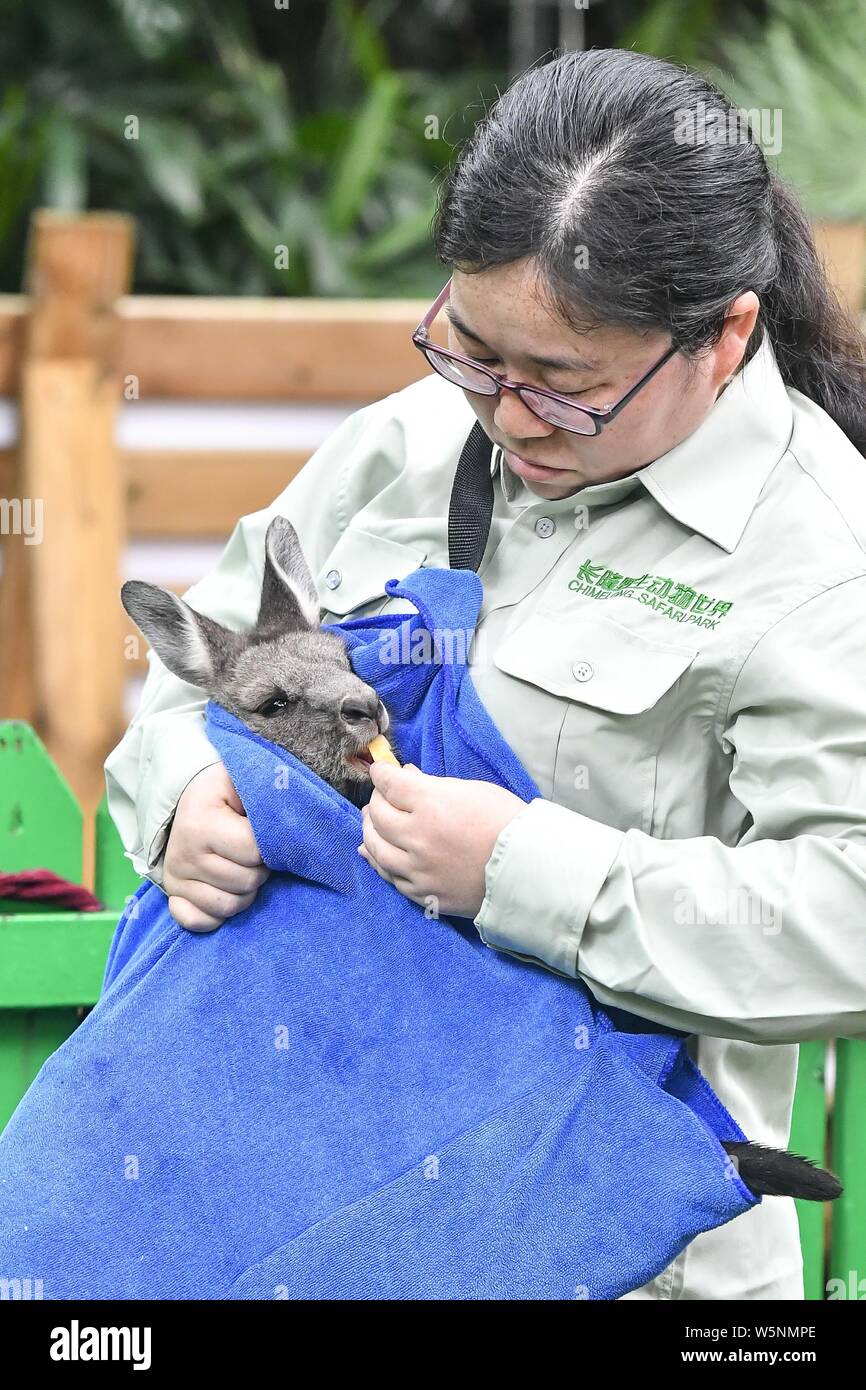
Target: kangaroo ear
192	646
289	598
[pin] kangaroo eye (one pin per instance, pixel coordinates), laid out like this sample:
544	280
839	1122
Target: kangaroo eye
274	705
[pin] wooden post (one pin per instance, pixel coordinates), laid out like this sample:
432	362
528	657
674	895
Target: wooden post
842	245
17	695
78	266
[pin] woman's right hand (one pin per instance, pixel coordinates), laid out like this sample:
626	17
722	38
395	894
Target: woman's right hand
212	866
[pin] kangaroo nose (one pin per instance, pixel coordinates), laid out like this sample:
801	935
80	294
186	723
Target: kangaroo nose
356	709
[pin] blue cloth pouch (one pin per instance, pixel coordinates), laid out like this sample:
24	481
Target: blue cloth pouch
338	1095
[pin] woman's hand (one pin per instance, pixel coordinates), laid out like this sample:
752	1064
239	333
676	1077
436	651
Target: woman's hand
432	836
213	868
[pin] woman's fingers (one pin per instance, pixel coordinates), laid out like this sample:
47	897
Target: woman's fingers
395	862
230	875
190	917
230	836
201	907
387	820
213	868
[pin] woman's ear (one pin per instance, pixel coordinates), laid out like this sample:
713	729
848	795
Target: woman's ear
738	327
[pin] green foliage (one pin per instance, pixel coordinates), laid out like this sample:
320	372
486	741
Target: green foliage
260	151
808	62
232	129
671	29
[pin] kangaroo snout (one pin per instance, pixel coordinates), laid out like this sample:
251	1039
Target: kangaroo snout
365	707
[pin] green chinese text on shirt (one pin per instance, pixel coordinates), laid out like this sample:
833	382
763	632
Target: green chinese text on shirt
675	600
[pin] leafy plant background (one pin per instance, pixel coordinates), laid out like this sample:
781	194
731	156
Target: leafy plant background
320	127
809	62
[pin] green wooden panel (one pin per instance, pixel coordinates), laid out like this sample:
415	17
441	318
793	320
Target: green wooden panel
53	959
27	1038
40	820
114	878
808	1137
848	1244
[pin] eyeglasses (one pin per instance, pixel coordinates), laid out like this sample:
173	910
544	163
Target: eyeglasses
547	405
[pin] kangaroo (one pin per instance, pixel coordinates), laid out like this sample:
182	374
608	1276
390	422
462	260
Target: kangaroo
293	684
285	678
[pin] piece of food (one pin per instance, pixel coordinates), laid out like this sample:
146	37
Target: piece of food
381	751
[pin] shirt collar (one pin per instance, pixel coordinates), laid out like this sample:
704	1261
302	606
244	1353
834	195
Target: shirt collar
711	480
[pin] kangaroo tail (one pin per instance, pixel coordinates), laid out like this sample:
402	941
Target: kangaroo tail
777	1173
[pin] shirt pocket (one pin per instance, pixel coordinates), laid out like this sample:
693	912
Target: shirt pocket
351	582
610	693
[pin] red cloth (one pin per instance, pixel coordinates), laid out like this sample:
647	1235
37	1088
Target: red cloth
41	885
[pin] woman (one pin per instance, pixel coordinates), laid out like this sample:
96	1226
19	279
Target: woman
670	637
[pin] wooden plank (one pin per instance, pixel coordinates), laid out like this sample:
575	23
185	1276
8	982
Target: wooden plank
14	309
69	399
17	684
227	330
193	493
255	349
202	492
270	349
78	266
114	880
842	247
70	462
17	692
54	959
847	1272
7	472
40	820
27	1038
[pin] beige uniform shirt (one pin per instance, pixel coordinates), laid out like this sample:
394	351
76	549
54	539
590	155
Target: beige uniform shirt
678	659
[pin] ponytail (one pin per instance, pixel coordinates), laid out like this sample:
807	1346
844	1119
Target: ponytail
820	350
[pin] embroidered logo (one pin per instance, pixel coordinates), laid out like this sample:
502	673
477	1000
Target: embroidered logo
679	602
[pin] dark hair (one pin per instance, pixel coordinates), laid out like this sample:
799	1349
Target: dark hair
586	151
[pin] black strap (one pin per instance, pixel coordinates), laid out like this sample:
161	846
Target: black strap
471	505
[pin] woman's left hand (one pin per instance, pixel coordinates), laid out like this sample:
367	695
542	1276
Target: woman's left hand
432	836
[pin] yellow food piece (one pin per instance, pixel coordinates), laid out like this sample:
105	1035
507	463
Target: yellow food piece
381	751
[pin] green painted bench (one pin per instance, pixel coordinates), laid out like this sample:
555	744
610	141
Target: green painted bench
52	963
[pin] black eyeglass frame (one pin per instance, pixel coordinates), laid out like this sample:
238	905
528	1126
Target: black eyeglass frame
598	417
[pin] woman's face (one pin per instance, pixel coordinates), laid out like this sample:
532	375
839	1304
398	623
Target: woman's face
500	320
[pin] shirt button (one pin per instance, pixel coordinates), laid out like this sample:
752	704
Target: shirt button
582	671
333	579
545	527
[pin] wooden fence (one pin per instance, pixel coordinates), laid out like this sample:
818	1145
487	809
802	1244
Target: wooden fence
71	350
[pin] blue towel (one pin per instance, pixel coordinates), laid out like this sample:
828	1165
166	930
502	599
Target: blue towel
337	1095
